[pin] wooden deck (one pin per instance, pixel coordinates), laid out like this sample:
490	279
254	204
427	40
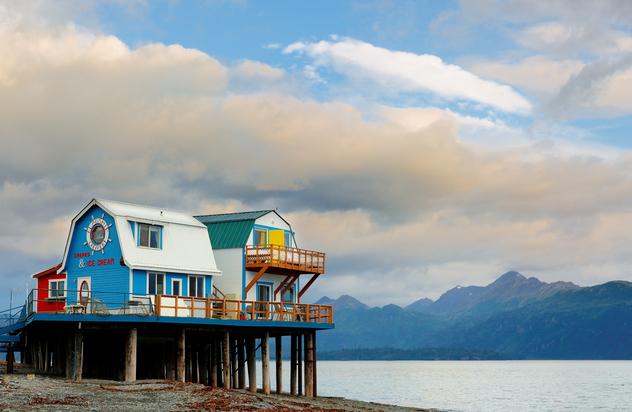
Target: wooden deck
284	260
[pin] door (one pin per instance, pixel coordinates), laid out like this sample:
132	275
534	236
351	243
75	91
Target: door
84	292
264	294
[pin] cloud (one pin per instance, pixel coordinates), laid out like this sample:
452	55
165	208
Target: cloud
408	72
86	115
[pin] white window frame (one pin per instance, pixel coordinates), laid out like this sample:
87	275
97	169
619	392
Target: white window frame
150	228
164	276
50	283
173	282
197	295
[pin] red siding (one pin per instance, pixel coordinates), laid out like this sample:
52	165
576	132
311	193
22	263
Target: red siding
43	303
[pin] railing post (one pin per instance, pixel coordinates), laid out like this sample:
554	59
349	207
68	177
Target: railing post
158	299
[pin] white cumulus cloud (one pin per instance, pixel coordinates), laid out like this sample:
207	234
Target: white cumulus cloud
397	71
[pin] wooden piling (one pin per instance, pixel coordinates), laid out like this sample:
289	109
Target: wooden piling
131	346
233	364
213	355
10	359
74	358
293	365
226	359
309	364
299	363
181	357
265	363
241	359
252	365
278	357
314	356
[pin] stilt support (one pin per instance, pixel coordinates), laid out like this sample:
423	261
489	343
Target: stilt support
309	364
278	357
131	344
226	359
265	363
252	364
181	357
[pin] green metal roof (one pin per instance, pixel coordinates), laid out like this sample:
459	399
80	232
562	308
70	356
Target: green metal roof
230	230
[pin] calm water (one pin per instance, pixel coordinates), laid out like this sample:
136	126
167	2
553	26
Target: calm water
482	386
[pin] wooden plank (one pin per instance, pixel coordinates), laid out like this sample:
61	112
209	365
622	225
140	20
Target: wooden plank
256	278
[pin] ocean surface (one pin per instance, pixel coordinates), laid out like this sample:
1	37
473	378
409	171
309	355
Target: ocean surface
481	385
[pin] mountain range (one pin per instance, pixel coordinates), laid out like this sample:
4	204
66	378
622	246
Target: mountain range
514	317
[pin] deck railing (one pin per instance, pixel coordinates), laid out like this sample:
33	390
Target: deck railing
209	308
113	303
285	257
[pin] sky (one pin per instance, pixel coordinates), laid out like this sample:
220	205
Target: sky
420	144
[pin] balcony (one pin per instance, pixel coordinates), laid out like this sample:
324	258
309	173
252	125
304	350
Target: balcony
113	304
284	260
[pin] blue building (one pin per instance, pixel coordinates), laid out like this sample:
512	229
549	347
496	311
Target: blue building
119	253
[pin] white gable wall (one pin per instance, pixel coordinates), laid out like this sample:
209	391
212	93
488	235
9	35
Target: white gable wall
230	261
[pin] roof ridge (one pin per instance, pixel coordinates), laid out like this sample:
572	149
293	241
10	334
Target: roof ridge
236	213
98	199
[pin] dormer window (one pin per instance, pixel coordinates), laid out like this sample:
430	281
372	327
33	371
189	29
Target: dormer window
149	236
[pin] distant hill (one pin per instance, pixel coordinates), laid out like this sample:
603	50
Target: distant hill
510	290
420	305
513	317
343	302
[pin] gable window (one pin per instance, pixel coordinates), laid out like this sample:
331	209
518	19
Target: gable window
149	235
260	237
57	289
156	283
196	286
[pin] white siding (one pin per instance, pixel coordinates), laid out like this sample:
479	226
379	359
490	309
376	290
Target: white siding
230	262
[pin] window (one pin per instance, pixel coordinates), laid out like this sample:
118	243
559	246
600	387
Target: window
176	287
56	289
196	286
156	283
260	237
149	235
288	239
288	295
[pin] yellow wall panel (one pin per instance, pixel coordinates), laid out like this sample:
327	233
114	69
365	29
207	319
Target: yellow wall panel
276	237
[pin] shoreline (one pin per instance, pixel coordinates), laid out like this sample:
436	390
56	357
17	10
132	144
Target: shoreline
27	391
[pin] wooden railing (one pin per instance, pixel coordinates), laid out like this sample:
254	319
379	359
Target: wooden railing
115	303
292	258
209	308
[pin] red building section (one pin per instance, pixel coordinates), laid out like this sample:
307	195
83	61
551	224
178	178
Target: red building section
51	290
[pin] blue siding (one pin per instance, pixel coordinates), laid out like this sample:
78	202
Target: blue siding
140	282
109	280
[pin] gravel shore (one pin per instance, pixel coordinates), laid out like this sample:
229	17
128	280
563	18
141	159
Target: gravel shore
27	391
